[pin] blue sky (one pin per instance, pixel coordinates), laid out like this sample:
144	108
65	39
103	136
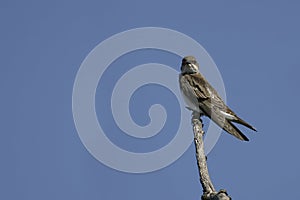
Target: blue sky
43	43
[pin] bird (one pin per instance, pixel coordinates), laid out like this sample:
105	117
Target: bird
202	98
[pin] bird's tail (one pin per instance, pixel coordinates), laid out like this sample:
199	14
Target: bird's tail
240	121
233	130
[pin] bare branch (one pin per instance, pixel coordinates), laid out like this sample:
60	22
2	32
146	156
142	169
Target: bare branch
209	192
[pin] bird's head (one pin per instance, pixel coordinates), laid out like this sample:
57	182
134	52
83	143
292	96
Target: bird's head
189	65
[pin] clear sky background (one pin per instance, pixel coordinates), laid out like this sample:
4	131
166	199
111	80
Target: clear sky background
255	45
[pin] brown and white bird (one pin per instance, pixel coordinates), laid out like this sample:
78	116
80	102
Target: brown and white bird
201	97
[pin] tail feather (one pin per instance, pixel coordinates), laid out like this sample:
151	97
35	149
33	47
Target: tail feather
233	130
227	126
240	121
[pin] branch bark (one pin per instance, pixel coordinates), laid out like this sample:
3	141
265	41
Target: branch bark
209	192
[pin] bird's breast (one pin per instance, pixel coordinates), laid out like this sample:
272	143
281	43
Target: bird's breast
188	94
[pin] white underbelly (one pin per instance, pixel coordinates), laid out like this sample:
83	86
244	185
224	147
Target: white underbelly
191	104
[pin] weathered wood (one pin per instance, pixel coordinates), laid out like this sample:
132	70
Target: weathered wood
209	192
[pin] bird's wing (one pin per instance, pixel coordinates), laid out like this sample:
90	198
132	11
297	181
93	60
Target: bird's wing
207	97
198	83
212	104
205	91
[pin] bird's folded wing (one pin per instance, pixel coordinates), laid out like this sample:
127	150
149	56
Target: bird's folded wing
198	84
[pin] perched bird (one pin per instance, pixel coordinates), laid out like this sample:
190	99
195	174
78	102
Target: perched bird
201	97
